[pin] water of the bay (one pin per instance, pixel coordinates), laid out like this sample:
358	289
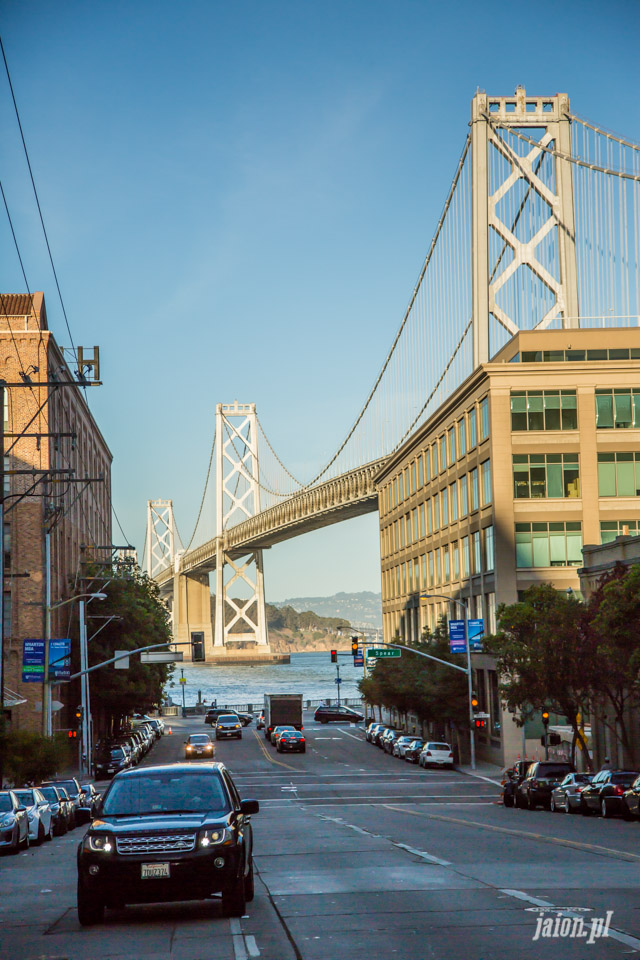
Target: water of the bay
311	674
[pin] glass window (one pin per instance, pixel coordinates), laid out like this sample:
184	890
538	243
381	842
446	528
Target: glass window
548	544
486	482
473	430
429	517
539	475
423	571
604	410
569	410
413	477
484	418
619	474
475	492
544	410
456	561
443	451
465	557
430	555
445	507
518	410
622	409
452	445
453	500
618	408
434	460
462	436
420	471
489	552
416	532
436	512
610	529
427	465
464	499
438	570
477	555
446	564
422	527
400	489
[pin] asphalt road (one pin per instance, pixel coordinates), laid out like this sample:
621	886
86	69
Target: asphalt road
359	856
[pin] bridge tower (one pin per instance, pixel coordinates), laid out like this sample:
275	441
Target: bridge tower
238	498
523	230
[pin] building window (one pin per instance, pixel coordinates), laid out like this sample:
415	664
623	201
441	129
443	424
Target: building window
434	461
462	436
452	445
619	474
445	507
430	555
453	497
539	475
443	451
619	409
464	499
413	477
416	532
489	549
447	567
544	410
475	491
477	556
420	471
7	612
407	489
465	557
395	492
484	418
456	561
438	570
494	701
423	572
429	517
407	528
486	482
490	613
473	429
416	575
421	520
427	465
548	544
610	529
436	513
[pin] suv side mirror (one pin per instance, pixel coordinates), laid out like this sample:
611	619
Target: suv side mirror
249	806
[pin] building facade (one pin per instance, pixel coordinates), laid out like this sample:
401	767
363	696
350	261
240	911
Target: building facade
57	495
535	454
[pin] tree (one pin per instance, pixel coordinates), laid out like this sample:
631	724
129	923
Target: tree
544	656
614	627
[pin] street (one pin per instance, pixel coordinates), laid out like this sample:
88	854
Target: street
358	855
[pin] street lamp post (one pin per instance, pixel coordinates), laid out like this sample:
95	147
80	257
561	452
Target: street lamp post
463	604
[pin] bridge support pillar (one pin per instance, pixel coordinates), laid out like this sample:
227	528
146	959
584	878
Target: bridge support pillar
192	616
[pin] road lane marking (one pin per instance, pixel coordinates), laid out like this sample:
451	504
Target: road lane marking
421	853
596	849
239	949
377	836
252	947
519	895
268	755
376	800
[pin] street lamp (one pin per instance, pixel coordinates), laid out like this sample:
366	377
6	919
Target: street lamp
84	680
463	604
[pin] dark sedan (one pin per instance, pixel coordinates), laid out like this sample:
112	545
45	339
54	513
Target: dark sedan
340	714
413	751
60	812
605	792
91	802
291	741
631	801
76	796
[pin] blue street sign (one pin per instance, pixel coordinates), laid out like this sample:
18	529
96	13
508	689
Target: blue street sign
476	635
457	642
338	680
33	661
358	661
59	660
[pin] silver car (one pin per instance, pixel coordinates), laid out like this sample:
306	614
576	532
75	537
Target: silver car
38	812
566	795
14	823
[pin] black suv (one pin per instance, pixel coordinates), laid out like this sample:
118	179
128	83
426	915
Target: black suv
344	714
542	777
212	715
172	832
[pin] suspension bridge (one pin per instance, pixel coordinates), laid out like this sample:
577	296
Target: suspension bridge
540	229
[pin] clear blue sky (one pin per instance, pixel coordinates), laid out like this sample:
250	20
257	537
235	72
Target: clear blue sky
239	197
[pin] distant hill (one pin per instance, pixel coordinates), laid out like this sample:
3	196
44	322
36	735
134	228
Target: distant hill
360	609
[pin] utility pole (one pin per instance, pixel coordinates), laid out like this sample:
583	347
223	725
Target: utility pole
2	388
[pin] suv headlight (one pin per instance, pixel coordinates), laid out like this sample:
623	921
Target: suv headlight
98	842
213	835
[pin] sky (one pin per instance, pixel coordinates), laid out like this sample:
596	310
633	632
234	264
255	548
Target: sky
239	198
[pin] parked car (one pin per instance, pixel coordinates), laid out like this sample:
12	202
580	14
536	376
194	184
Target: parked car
291	741
372	729
14	823
631	801
213	714
38	813
69	809
109	760
75	794
566	796
198	745
92	800
277	731
340	714
58	803
435	754
260	721
388	739
541	778
191	838
400	745
511	777
381	734
413	751
605	792
228	725
246	719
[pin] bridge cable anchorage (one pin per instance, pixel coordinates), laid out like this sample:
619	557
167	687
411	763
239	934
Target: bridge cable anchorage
204	492
604	133
562	156
405	318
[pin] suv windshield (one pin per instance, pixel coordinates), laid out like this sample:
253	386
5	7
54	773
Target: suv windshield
228	718
553	769
170	790
49	793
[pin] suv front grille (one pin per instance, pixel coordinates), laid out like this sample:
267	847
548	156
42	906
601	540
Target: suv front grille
156	843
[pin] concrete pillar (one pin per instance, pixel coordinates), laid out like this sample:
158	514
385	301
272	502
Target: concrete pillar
192	612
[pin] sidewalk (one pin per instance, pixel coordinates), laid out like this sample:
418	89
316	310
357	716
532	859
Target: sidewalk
483	771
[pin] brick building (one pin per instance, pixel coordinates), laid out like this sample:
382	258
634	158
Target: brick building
48	427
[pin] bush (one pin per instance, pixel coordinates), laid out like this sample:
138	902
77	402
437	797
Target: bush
30	757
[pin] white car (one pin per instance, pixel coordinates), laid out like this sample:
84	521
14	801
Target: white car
436	754
38	812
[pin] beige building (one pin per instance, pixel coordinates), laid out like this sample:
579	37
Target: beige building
49	429
536	453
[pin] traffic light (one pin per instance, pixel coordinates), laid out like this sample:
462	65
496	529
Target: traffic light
545	718
480	724
73	734
354	646
474	702
79	716
334	656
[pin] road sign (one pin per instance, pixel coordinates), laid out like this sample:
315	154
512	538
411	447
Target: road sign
338	680
123	662
476	634
381	653
457	643
160	656
33	661
59	660
358	661
183	679
482	716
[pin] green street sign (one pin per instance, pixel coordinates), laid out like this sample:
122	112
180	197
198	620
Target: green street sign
379	653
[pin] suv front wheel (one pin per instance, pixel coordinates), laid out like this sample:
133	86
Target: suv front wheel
90	909
234	899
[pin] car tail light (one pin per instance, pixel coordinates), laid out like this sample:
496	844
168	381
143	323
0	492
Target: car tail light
579	789
451	755
428	753
619	790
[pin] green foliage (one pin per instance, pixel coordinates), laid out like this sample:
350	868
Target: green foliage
286	618
29	757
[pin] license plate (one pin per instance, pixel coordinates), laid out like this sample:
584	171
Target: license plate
154	871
